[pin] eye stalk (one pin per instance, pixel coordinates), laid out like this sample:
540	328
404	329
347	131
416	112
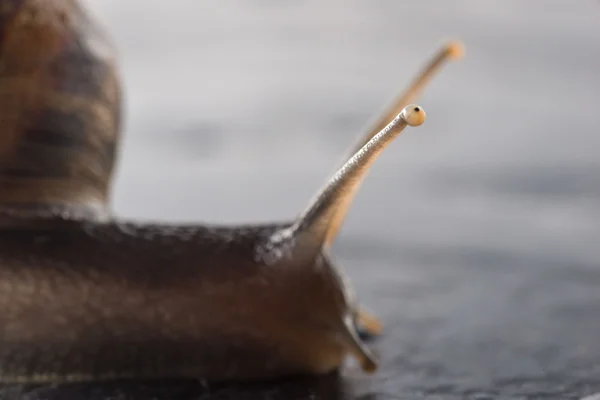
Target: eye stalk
453	50
450	51
316	228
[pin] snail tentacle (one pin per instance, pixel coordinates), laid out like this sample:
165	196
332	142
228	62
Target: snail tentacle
453	50
317	226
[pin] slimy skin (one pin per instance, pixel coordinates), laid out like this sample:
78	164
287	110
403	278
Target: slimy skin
86	297
88	300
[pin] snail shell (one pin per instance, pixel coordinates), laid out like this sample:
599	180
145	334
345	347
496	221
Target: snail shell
60	105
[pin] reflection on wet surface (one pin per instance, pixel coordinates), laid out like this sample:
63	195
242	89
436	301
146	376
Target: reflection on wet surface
475	238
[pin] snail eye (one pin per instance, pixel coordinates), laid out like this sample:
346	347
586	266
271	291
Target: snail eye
413	114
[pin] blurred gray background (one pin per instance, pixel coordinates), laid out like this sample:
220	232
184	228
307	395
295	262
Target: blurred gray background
476	237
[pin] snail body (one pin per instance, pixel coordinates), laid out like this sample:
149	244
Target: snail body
85	296
152	301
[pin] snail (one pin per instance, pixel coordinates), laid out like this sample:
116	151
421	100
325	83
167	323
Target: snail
85	296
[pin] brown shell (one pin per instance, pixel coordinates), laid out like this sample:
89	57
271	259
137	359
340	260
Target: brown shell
59	107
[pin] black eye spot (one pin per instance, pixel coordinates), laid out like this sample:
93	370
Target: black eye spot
417	109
